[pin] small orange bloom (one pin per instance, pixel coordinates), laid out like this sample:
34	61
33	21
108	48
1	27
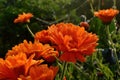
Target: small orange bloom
85	25
41	51
74	42
64	78
106	15
22	18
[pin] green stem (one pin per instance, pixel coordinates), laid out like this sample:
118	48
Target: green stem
91	6
29	30
93	58
114	4
111	44
64	70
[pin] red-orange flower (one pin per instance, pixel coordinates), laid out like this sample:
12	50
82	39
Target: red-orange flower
64	78
106	15
74	42
41	51
42	72
22	18
85	25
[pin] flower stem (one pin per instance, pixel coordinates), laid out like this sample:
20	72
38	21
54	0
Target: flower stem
29	30
114	4
64	70
111	44
91	6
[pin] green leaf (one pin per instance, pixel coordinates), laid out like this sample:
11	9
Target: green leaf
112	27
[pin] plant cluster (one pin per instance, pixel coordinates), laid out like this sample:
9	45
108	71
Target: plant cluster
61	48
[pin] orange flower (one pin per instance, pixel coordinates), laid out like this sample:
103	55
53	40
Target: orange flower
106	15
14	66
41	51
74	42
42	72
22	18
